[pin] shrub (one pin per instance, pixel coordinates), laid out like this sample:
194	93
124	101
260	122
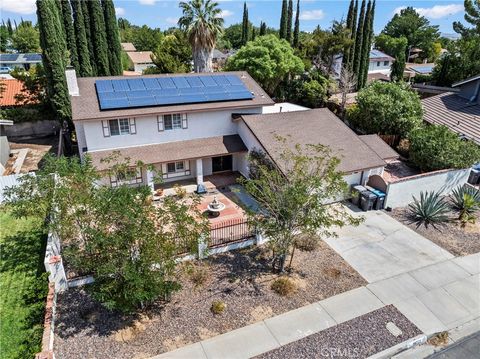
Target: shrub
466	201
436	147
218	307
307	242
283	286
430	209
197	273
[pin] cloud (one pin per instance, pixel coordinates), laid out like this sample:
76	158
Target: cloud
172	20
119	11
147	2
23	7
435	12
225	13
312	15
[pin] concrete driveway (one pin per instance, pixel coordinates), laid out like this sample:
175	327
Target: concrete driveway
382	247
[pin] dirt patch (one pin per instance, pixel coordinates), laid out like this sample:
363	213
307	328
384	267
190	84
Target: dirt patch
451	236
241	279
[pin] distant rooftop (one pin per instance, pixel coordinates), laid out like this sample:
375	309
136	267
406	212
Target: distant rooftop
128	47
142	57
377	55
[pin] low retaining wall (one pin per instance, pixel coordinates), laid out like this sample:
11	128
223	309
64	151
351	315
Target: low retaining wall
400	193
25	130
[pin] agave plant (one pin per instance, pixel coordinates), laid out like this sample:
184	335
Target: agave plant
466	201
430	209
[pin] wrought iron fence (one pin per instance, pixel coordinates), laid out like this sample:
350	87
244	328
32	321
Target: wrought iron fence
230	231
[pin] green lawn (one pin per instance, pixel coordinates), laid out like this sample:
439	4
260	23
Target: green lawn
23	285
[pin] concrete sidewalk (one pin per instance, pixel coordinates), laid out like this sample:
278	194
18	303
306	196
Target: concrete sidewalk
434	290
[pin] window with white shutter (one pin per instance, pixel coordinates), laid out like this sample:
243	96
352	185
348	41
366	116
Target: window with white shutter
133	127
160	123
106	129
184	121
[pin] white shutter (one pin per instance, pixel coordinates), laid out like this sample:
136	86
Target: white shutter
184	121
186	165
133	126
106	129
160	123
164	170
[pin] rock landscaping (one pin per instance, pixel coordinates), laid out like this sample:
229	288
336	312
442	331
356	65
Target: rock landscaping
356	338
450	235
239	282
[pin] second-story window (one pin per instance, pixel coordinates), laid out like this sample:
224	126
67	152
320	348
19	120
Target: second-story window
385	63
173	122
119	127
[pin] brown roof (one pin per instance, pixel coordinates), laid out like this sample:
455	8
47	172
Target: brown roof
454	112
128	46
318	126
378	76
140	57
85	106
379	146
174	151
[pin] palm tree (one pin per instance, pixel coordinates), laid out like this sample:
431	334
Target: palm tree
202	22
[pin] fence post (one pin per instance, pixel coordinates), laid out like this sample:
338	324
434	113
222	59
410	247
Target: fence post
202	247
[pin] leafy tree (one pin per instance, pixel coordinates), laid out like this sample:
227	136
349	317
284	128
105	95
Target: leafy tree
145	38
289	21
245	24
114	233
293	194
85	67
296	30
359	42
350	24
34	84
284	20
70	34
309	89
394	47
54	57
202	22
88	34
268	59
25	38
472	16
263	29
347	83
415	28
113	38
9	27
173	54
436	147
4	38
99	37
233	34
366	45
387	108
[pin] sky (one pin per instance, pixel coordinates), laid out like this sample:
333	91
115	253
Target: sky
165	13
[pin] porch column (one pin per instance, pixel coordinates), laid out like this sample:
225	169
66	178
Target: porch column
150	183
199	167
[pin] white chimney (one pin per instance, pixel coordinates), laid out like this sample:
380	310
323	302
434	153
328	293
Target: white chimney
72	83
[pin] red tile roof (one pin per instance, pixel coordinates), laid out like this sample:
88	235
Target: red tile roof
10	88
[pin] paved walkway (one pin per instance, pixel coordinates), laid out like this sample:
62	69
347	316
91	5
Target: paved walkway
428	285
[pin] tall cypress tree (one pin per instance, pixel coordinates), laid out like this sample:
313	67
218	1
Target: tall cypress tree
283	20
289	21
296	31
350	20
263	28
9	27
54	49
364	52
368	43
88	33
97	30
245	24
354	37
359	41
85	67
113	38
70	33
253	33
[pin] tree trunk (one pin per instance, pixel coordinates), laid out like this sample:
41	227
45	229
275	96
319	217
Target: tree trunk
291	257
202	60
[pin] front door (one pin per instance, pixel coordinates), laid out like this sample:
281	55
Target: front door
222	163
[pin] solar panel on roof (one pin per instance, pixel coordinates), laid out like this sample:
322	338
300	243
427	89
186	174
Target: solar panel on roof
33	57
8	57
175	90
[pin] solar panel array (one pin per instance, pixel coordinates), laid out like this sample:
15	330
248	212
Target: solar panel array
8	57
174	90
33	57
423	69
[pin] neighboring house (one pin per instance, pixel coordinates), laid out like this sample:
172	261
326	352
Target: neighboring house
421	69
11	88
24	61
4	145
459	111
219	59
379	62
192	125
140	60
128	47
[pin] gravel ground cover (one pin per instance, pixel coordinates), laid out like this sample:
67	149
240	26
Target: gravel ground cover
450	235
240	279
357	338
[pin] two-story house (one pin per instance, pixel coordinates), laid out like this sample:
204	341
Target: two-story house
192	125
